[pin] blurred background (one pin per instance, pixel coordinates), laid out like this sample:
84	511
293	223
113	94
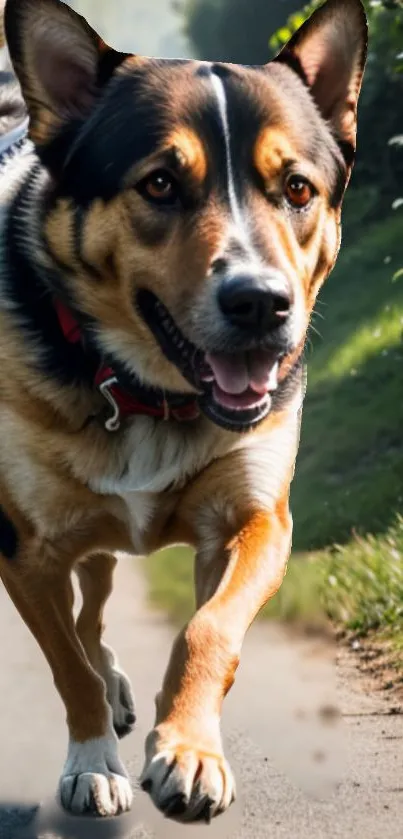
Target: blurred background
149	27
348	490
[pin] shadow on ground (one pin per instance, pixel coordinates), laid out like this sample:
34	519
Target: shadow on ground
21	821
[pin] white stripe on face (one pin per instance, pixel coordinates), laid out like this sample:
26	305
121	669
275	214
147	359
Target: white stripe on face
239	225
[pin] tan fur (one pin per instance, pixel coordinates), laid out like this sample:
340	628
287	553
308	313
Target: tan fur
273	148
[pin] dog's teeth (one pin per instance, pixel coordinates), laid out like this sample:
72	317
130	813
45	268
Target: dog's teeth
273	381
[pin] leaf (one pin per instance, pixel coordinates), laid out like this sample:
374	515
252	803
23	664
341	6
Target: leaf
398	275
284	35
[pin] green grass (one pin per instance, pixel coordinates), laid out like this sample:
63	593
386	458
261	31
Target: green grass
349	472
170	574
364	584
349	476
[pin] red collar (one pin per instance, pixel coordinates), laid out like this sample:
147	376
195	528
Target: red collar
124	403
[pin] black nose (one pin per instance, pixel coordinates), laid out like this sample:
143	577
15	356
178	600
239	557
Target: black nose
255	302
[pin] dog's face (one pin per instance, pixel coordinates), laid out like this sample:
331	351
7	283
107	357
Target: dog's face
194	209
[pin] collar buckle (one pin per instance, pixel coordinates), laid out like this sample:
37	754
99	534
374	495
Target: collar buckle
111	424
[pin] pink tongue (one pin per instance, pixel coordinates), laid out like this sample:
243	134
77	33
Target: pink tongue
262	371
230	372
234	374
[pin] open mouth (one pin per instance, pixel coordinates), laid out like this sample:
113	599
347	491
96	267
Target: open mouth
235	388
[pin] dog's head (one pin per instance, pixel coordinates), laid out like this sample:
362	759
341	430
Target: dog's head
193	210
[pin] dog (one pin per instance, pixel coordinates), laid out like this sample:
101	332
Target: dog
165	229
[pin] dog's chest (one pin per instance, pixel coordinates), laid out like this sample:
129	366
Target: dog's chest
152	457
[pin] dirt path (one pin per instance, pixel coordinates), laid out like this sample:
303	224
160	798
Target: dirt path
314	756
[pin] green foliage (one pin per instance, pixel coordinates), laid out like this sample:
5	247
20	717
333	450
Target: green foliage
171	589
283	35
234	30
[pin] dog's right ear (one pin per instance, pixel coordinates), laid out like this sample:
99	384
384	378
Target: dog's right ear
60	61
329	52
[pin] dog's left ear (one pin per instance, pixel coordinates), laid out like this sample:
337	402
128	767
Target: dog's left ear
60	61
329	53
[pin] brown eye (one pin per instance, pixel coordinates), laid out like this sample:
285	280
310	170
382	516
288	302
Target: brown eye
298	191
160	187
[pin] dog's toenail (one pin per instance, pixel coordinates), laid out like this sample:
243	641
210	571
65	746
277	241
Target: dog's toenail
205	813
147	785
175	806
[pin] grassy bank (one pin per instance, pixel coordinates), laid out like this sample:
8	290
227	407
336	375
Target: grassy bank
349	477
359	586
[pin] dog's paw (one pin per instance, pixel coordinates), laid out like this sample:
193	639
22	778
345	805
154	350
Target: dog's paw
94	780
119	693
92	792
185	782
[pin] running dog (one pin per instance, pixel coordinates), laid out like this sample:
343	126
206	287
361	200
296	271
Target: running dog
165	229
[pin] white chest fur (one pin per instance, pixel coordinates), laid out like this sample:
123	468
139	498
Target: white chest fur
151	456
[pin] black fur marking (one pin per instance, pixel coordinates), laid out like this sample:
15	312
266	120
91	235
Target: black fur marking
8	536
203	72
348	152
33	305
340	181
109	62
221	70
125	127
287	56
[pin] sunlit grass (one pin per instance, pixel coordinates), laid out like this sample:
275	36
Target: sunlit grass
364	589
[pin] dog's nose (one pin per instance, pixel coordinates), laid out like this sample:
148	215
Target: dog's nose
255	302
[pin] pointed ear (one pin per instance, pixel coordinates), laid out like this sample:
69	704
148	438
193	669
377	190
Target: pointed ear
60	61
329	53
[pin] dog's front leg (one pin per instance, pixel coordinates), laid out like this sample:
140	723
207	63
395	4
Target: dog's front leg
185	770
93	778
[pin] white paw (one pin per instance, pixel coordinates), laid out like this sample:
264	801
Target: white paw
119	693
94	779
